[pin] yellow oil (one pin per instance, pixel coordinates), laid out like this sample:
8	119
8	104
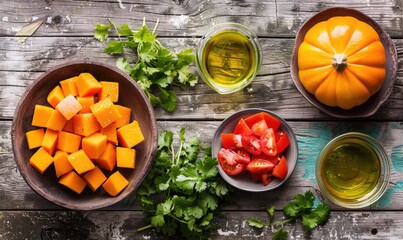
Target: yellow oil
351	171
229	59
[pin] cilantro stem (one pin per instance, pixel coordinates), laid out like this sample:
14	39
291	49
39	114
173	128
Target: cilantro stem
156	25
144	228
114	27
282	222
177	219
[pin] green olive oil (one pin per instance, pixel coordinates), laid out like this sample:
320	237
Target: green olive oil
229	59
351	171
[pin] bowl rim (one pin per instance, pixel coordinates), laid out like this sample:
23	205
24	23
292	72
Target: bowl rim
250	112
377	99
42	192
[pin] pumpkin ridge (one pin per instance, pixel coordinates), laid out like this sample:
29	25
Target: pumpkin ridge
348	33
362	48
318	46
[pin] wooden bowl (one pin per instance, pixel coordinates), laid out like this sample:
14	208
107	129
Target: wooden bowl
47	185
375	101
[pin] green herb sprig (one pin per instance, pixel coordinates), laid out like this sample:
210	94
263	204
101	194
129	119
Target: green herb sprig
157	69
183	189
301	207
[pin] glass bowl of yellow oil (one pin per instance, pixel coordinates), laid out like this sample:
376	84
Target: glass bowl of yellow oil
228	57
353	170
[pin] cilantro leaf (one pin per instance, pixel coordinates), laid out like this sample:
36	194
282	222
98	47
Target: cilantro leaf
165	140
114	47
254	222
299	204
123	65
280	234
101	32
168	100
321	213
157	221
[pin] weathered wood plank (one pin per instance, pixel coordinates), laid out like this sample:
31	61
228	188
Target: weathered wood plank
273	88
15	193
186	18
231	225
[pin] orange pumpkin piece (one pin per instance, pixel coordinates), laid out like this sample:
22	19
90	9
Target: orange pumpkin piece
85	124
69	126
56	121
124	117
41	115
73	181
80	162
86	102
62	164
55	96
50	141
125	157
115	183
69	86
107	160
342	62
94	145
110	133
41	160
35	138
68	142
69	107
130	135
105	112
94	178
87	85
109	90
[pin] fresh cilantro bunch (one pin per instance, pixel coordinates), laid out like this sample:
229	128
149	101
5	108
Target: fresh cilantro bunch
301	207
182	190
157	69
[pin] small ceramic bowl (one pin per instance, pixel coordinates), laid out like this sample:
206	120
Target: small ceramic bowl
47	185
374	102
344	174
244	180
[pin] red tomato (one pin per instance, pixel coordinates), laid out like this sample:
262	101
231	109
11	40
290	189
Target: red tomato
259	128
227	162
281	169
251	144
256	176
283	142
266	178
250	121
272	159
259	166
271	121
242	156
230	140
242	128
268	143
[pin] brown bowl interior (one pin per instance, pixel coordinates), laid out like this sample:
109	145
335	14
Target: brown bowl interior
47	185
374	102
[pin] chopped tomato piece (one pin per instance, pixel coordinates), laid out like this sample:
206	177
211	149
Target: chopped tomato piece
281	169
230	140
259	128
251	144
227	162
271	121
260	166
242	128
266	178
256	176
268	143
273	159
283	142
242	156
250	121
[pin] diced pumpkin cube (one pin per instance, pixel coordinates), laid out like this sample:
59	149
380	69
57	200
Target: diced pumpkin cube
62	164
107	160
73	181
105	112
86	102
68	142
94	178
87	85
115	183
35	138
56	121
94	145
55	96
124	117
109	90
69	86
41	115
80	161
125	157
110	133
130	135
41	160
85	124
69	126
50	141
69	107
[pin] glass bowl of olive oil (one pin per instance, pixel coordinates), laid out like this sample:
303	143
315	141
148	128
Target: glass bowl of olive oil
353	170
228	57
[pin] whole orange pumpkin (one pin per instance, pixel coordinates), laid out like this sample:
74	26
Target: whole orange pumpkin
342	62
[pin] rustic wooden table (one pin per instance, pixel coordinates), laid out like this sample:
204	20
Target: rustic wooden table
67	35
